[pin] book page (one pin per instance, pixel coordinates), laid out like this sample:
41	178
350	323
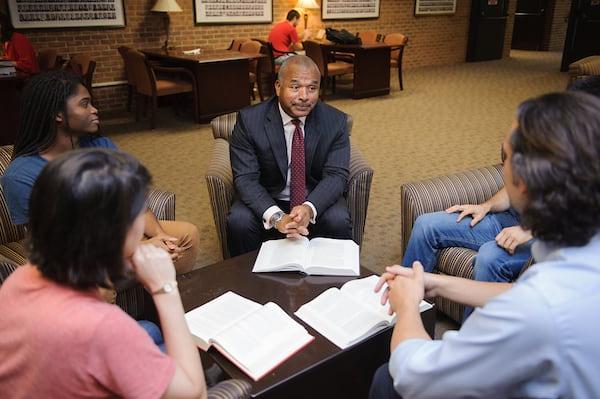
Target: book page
281	255
361	290
328	256
340	320
208	320
262	340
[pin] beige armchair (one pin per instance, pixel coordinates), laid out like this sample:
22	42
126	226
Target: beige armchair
433	195
584	67
219	179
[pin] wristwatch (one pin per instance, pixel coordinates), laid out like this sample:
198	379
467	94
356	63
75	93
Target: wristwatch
167	288
277	216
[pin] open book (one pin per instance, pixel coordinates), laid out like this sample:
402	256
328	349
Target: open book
348	315
320	256
254	337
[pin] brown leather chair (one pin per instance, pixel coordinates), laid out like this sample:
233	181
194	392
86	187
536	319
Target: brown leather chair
150	86
370	37
266	70
83	65
48	60
328	69
128	73
252	47
398	41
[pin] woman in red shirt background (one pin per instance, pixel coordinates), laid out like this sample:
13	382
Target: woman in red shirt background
17	47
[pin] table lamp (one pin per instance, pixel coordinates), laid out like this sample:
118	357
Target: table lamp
166	6
306	5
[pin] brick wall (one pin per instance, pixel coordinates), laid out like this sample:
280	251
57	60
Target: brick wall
433	40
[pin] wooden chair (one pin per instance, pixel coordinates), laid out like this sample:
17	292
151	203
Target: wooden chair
328	69
370	37
237	43
128	73
83	65
150	86
252	47
221	190
398	41
48	60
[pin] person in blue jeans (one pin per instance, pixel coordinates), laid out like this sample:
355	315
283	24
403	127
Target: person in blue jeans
490	228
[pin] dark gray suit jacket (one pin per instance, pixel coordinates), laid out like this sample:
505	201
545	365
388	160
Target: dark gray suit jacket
259	155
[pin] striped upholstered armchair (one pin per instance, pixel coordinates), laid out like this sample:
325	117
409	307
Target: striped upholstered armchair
433	195
219	179
588	66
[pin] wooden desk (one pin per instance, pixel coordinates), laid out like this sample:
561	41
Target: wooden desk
10	90
221	78
319	370
371	67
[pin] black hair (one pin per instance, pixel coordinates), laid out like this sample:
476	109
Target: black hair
44	97
81	209
556	152
589	84
7	27
292	14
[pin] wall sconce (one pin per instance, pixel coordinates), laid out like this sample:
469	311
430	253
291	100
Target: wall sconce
166	6
306	5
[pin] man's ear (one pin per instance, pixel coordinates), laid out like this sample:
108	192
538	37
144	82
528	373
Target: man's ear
277	87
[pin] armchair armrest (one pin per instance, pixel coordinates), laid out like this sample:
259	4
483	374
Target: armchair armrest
230	389
176	71
436	194
161	203
219	180
359	188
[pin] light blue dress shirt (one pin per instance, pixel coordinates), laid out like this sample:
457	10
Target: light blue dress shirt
539	339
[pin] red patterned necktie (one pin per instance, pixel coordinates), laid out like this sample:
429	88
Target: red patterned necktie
297	175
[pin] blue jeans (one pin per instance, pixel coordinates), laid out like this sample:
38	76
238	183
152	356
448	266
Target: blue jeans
154	333
382	386
435	231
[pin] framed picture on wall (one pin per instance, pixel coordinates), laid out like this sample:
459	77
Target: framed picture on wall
437	7
27	14
233	11
349	9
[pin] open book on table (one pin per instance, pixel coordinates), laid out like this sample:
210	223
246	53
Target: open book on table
320	256
254	337
349	314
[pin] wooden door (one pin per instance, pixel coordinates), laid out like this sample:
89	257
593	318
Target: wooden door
530	22
583	32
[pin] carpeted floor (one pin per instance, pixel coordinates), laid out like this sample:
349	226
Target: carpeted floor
446	119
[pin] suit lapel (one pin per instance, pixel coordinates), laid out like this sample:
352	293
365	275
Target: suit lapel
276	136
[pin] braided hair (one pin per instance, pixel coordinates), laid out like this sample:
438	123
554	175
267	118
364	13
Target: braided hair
44	97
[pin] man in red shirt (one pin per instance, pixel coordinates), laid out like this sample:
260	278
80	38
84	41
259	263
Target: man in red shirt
284	38
17	48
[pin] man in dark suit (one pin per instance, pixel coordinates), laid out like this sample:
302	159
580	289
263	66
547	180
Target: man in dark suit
290	158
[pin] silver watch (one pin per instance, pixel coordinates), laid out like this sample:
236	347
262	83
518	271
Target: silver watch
277	216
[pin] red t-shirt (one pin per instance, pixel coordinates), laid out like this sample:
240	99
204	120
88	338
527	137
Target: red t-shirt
282	36
59	342
20	50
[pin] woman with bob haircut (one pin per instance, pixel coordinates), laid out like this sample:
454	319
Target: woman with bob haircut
59	338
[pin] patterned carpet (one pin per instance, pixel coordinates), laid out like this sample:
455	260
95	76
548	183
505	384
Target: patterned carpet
446	119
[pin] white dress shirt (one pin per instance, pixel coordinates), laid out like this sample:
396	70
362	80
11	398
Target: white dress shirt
284	195
537	340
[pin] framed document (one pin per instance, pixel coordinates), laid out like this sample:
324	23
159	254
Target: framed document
27	14
233	11
437	7
349	9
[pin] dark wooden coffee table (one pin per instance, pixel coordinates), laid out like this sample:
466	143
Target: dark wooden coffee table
321	369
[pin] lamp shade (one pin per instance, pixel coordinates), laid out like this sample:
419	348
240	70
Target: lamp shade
166	6
307	4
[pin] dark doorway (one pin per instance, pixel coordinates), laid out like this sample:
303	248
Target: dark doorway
583	32
530	25
486	30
